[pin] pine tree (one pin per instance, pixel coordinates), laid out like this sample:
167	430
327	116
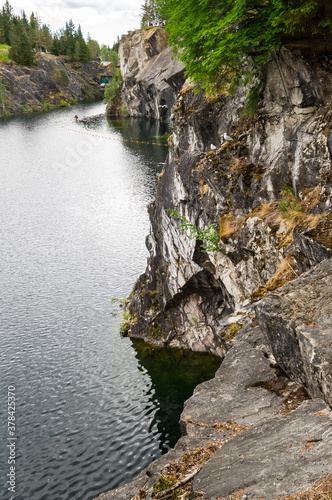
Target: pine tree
70	39
46	38
84	53
5	23
21	50
55	50
34	31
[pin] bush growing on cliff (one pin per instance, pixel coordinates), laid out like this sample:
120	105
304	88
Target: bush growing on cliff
113	89
208	235
226	42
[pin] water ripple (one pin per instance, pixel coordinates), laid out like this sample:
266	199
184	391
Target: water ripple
88	411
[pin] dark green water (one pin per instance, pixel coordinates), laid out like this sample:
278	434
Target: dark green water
93	408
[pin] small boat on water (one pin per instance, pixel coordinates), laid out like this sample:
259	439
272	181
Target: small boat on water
89	119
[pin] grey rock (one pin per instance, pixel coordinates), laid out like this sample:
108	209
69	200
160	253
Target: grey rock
280	456
151	77
296	321
51	79
233	395
182	282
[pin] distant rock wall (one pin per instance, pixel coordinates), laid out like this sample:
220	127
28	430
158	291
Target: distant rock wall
50	82
152	79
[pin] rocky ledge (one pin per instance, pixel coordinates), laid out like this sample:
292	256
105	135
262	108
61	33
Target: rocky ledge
51	82
254	431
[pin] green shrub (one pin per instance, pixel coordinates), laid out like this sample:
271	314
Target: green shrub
45	105
113	89
289	206
209	235
4	51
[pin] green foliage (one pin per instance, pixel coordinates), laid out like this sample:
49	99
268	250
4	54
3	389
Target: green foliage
225	43
113	89
21	49
25	35
289	206
93	47
107	54
123	301
4	51
45	105
163	484
5	23
209	235
116	44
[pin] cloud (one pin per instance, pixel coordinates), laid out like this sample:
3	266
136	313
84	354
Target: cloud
104	21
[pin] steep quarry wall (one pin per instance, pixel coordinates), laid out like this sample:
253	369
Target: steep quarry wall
261	298
152	78
271	178
51	82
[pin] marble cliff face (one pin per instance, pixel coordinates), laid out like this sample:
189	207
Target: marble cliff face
262	300
152	78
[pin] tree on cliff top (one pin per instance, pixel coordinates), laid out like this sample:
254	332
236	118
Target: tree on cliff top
151	13
226	42
21	50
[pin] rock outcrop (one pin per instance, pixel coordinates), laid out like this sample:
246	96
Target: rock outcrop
260	297
152	78
52	81
267	191
297	321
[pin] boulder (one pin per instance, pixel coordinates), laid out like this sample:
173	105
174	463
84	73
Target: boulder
297	322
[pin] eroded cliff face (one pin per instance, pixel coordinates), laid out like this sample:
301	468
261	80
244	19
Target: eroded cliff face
152	78
50	82
268	192
262	427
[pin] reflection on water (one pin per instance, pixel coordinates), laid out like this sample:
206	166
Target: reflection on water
91	410
174	375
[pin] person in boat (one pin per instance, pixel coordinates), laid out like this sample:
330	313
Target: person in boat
76	117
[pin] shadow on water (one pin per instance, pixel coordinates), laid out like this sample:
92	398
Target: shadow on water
138	129
174	375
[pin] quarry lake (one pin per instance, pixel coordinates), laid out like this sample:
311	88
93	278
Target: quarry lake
92	408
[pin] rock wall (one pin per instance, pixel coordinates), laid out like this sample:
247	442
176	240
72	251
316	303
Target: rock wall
152	78
261	299
51	82
268	192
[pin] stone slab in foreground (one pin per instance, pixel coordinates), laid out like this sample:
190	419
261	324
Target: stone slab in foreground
283	455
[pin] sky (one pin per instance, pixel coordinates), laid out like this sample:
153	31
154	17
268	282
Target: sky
104	20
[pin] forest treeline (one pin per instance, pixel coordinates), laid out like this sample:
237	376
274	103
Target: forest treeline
27	35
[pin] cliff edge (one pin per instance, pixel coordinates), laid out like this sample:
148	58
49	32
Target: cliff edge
257	191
